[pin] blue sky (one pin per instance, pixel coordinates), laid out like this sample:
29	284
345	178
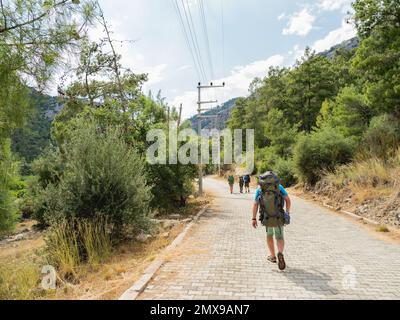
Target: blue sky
256	33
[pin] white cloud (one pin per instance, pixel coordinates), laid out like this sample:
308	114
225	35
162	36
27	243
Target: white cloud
237	84
345	32
282	16
184	67
300	23
331	5
156	73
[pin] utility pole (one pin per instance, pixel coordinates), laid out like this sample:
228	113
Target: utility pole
180	115
199	111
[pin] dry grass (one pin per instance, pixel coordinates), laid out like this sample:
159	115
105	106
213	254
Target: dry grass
20	278
69	244
105	274
369	178
122	269
382	228
18	284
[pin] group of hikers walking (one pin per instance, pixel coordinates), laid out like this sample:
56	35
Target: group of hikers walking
273	204
244	181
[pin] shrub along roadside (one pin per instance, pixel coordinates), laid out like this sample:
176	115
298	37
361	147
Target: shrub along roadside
382	137
320	151
285	171
102	176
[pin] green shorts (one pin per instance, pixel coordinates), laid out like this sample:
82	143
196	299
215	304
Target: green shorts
277	231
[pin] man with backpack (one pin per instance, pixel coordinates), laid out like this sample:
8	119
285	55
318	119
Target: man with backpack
270	198
246	180
241	183
231	181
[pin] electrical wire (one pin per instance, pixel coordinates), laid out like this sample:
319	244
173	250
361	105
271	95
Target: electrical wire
186	36
206	38
193	35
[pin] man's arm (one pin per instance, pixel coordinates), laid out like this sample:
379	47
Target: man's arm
255	210
288	203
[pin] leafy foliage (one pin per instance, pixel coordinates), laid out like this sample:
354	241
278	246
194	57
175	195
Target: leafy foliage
382	137
319	151
102	176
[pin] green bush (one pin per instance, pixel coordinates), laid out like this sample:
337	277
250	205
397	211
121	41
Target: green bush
49	167
319	151
285	171
172	185
382	137
102	175
268	160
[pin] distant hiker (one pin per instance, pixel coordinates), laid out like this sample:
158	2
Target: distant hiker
246	179
231	181
241	183
270	199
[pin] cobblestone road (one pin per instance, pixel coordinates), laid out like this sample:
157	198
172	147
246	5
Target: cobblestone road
328	257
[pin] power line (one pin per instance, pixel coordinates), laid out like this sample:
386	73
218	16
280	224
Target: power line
204	25
223	45
223	37
185	33
193	35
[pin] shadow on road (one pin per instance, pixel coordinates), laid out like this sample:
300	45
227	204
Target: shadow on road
315	281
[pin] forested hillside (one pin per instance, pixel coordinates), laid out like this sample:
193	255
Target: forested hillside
29	141
221	113
334	122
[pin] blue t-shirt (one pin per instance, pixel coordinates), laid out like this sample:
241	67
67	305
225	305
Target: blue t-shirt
281	189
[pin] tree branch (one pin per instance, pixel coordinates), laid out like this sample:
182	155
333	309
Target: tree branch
30	21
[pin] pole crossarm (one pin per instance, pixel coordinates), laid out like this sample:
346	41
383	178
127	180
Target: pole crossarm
210	86
207	102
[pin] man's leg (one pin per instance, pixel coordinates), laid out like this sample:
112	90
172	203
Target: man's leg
281	245
279	238
270	241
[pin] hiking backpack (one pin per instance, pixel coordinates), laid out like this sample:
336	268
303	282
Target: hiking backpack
271	200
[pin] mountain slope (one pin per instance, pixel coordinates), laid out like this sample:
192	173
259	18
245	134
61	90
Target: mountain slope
222	114
345	45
